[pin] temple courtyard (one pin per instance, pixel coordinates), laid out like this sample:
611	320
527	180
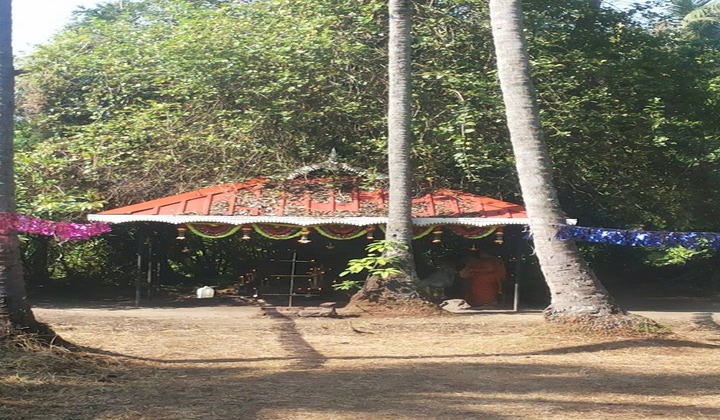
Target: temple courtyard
228	361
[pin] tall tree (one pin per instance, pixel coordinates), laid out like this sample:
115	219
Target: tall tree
574	289
399	231
15	312
283	82
696	19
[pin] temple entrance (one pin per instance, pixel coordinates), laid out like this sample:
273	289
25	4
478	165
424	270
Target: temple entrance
303	270
292	238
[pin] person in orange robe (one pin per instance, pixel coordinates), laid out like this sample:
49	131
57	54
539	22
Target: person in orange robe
482	277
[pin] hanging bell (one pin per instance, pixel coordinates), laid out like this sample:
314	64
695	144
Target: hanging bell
181	233
437	235
246	233
304	239
499	236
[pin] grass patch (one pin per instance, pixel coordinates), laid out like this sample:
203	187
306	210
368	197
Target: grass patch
31	371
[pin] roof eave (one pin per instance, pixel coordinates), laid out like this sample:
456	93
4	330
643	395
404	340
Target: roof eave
306	221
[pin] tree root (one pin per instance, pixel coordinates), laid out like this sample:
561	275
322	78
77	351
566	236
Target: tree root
626	325
381	305
42	335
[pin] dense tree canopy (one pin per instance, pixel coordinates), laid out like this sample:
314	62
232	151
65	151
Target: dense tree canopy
629	118
160	96
163	96
696	19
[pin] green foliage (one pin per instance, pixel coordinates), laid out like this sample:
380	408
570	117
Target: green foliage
192	95
628	116
698	20
86	257
224	260
163	96
379	261
348	285
649	327
677	256
79	263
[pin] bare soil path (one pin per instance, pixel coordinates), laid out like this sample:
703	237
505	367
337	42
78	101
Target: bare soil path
227	362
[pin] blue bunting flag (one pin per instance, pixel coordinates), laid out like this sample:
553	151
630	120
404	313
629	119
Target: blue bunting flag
690	240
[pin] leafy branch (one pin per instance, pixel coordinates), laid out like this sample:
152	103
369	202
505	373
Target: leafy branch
379	261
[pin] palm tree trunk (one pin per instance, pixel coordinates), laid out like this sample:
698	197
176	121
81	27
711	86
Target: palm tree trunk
399	228
574	288
15	312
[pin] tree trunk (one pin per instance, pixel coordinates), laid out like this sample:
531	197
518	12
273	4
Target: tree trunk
399	227
574	288
15	312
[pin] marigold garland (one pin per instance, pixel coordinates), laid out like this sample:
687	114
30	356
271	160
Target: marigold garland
473	232
335	232
212	231
418	231
341	232
278	232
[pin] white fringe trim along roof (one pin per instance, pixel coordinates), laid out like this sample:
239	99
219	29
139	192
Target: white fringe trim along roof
306	221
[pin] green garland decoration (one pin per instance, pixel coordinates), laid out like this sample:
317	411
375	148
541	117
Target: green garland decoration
327	232
471	232
207	234
417	233
283	233
423	233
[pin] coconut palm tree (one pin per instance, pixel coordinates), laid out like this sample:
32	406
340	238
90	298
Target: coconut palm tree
681	8
699	19
15	312
399	232
574	288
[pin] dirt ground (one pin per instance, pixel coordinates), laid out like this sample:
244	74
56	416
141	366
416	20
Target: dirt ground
228	362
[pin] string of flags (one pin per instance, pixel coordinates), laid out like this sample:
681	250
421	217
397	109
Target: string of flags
690	240
624	237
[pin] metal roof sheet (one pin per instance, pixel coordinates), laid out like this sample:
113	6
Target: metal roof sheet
314	198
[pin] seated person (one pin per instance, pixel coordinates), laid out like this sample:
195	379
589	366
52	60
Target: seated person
483	276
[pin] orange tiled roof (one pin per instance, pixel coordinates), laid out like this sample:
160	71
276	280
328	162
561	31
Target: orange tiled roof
316	198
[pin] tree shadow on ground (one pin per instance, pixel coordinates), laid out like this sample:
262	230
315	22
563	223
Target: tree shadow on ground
307	357
123	304
448	390
308	384
705	321
633	302
304	356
